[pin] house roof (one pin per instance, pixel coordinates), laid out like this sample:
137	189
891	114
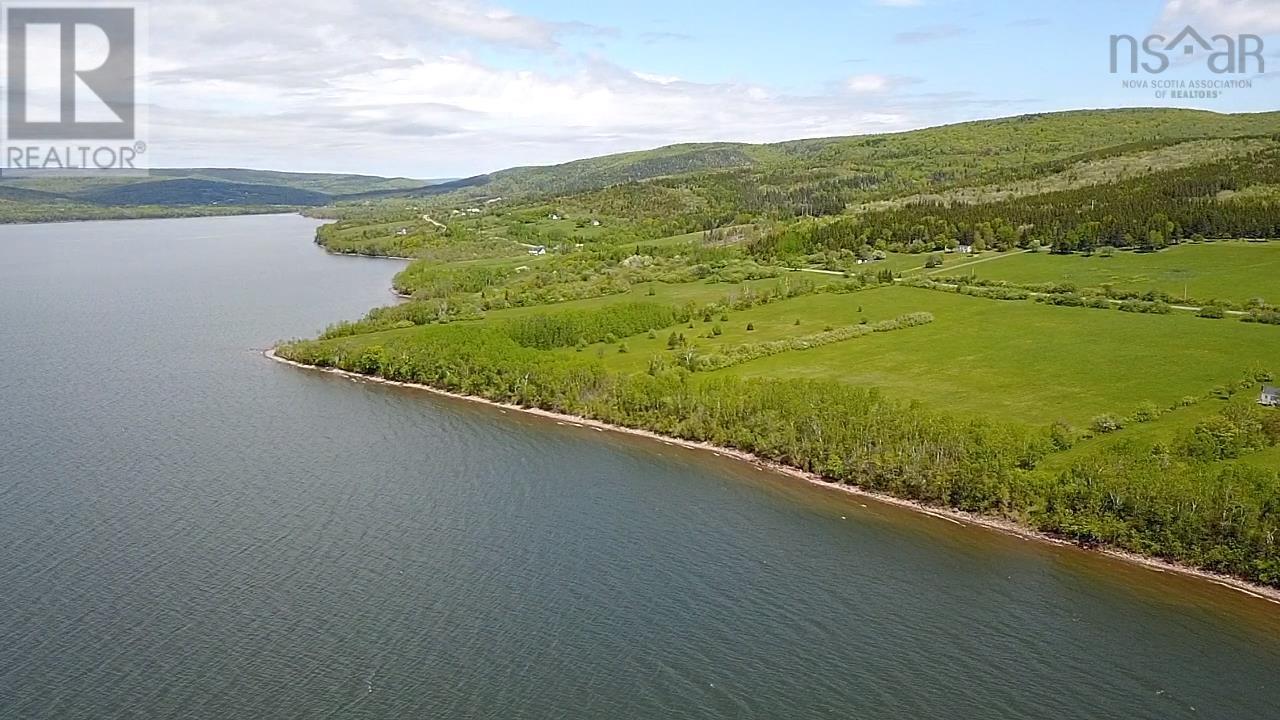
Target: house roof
1270	390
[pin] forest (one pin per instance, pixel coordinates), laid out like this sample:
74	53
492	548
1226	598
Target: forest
1147	213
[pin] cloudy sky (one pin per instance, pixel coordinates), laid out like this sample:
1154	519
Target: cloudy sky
449	88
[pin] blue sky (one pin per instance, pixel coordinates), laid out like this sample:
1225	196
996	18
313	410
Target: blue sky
436	88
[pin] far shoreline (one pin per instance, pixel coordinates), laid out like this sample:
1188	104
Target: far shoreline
960	517
255	212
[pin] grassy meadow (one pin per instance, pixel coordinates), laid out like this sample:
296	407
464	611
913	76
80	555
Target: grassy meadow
1232	271
1018	361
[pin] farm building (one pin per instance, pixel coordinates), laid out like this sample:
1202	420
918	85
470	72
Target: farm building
1270	396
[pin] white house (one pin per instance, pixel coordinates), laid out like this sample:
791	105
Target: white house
538	250
1270	396
964	249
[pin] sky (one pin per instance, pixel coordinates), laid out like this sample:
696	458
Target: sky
453	88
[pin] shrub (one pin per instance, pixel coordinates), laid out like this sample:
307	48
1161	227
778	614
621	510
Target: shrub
1146	412
1062	435
1106	424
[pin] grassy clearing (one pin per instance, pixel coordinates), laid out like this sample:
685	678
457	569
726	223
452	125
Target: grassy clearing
1017	360
663	293
1165	431
795	318
1235	271
1267	459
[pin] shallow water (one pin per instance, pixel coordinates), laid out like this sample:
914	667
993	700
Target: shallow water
189	530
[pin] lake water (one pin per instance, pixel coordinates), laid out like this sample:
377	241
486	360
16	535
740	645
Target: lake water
190	530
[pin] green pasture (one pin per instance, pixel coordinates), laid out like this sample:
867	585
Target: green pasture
1234	271
1019	360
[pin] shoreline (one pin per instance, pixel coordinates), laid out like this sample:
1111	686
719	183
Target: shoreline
363	255
959	517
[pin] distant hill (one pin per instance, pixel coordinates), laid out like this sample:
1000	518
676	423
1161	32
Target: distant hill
813	177
184	191
189	191
963	152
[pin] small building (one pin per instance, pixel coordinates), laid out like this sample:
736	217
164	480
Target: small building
402	232
964	249
538	250
1270	396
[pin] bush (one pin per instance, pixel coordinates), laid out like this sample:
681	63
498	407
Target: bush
1146	412
1104	424
1212	312
1062	435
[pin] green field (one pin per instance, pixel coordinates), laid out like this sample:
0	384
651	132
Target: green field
1231	271
1014	360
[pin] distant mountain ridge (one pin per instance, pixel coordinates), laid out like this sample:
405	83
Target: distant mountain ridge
813	176
199	186
931	155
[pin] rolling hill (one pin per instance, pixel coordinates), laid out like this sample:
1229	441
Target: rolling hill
187	191
965	153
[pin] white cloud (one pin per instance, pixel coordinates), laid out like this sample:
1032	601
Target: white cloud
877	83
659	79
1223	16
399	89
